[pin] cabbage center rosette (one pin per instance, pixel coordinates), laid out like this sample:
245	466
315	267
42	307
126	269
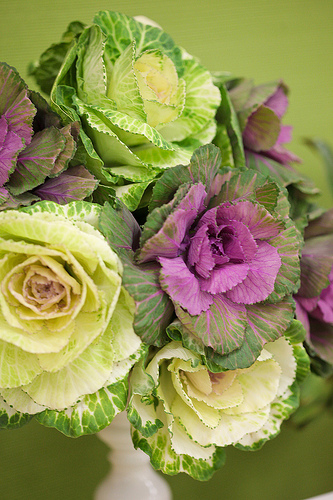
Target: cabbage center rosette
183	415
144	102
228	255
66	322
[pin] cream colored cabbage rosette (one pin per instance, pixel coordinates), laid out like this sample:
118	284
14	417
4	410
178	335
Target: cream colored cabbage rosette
66	323
183	415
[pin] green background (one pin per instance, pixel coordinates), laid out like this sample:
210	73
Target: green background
264	40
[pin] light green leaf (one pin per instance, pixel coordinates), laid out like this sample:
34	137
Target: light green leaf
10	418
94	413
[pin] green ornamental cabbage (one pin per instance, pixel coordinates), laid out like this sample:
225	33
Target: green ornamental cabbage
66	337
144	102
184	415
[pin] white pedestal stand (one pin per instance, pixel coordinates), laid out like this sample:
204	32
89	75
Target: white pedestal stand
131	475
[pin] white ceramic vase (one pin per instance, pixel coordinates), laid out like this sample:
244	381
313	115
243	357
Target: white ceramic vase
131	475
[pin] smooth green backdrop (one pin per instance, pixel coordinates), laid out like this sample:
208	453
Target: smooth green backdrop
264	40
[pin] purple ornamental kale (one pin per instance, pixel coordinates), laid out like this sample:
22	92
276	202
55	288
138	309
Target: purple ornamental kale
314	300
35	149
260	111
227	254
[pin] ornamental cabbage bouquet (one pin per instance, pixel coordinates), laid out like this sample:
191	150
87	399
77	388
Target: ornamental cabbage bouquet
66	338
193	283
144	103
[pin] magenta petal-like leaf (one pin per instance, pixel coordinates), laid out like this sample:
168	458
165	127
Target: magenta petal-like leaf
200	254
37	160
260	280
168	240
256	218
15	104
76	183
222	327
182	286
278	102
224	279
10	146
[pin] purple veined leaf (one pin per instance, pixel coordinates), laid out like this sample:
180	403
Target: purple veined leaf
183	287
76	183
37	160
10	146
239	242
315	269
154	309
260	280
247	184
168	240
200	254
15	104
3	195
226	278
159	215
256	218
69	132
205	164
22	200
221	327
269	321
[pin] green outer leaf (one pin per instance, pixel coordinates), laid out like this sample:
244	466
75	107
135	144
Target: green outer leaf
90	70
243	357
141	408
92	414
326	154
10	418
222	141
153	307
204	165
48	66
227	116
284	175
288	244
221	327
75	211
121	30
163	458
